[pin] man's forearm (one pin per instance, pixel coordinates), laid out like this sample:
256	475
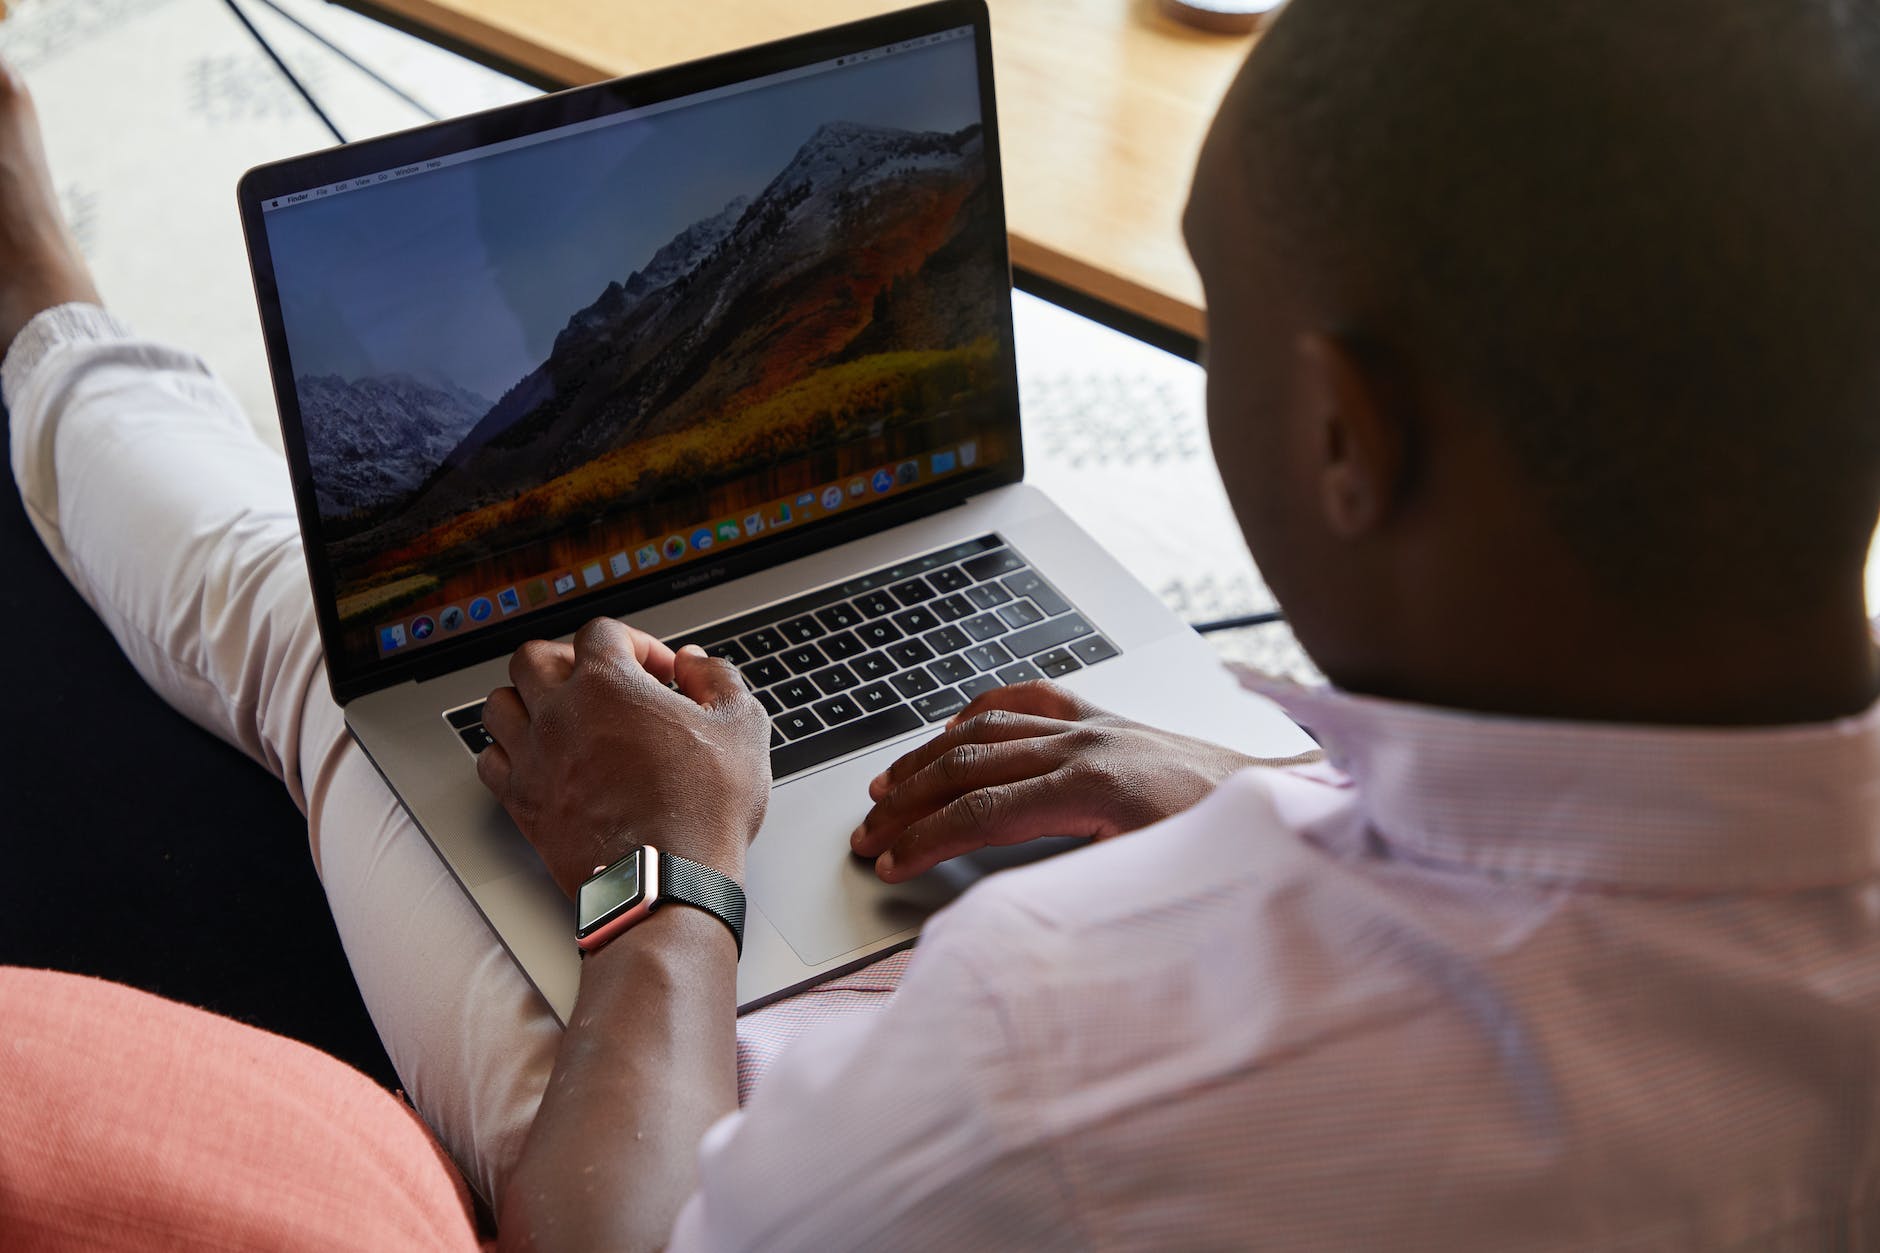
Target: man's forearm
648	1063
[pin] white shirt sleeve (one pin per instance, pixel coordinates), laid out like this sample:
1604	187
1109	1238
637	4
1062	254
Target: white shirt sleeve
889	1121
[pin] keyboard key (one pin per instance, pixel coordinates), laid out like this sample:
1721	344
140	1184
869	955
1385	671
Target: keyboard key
952	608
875	696
468	716
984	627
837	710
861	733
940	705
974	688
992	564
876	604
913	683
835	679
730	650
873	666
1021	613
1057	663
1047	634
802	630
908	653
765	672
947	640
1026	583
912	592
776	737
1019	672
916	620
876	634
839	617
763	642
798	723
1093	649
475	738
988	595
987	656
795	692
771	704
842	646
950	579
803	658
952	669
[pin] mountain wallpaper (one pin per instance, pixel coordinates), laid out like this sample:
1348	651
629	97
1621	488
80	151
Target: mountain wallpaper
844	314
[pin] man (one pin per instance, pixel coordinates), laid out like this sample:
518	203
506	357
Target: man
1541	381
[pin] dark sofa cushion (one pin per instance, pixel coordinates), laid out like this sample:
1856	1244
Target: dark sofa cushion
137	847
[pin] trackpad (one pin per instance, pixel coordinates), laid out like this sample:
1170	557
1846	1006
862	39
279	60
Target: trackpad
824	899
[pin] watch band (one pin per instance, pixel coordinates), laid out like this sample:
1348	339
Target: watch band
686	881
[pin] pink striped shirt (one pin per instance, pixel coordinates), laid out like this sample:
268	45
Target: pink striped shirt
1485	983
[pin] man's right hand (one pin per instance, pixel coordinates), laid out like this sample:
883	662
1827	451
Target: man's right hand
1027	761
594	753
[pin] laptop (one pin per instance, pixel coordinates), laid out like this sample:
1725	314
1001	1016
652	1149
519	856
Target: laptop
725	350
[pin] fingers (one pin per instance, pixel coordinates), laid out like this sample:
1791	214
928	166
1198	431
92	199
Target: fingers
539	666
505	717
1007	814
962	768
654	656
507	721
609	641
991	726
1041	698
493	768
710	681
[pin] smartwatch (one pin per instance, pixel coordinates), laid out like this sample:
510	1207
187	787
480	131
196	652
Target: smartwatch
621	896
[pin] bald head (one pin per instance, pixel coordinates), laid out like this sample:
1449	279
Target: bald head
1640	242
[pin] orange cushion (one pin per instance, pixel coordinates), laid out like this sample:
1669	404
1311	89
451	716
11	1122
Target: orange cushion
132	1122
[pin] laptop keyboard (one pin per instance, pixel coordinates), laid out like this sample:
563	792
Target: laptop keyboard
877	656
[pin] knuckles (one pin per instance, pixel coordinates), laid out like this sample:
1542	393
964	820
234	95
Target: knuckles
532	657
982	809
959	764
986	722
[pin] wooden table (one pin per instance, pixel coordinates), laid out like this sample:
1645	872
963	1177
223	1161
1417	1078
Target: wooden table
1102	109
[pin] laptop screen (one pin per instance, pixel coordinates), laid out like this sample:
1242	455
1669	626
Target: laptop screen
531	372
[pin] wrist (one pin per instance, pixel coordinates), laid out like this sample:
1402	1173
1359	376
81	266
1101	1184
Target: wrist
714	843
676	937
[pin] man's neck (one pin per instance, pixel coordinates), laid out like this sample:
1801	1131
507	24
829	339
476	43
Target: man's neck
1594	666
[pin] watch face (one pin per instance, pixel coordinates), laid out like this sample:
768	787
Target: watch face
613	890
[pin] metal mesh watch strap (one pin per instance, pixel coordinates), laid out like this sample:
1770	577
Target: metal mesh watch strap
685	881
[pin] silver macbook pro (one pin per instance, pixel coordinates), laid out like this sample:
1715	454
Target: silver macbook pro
725	350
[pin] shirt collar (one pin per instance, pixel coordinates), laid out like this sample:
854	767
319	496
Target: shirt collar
1677	809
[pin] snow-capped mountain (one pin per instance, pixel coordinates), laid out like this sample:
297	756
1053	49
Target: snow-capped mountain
682	254
868	240
372	440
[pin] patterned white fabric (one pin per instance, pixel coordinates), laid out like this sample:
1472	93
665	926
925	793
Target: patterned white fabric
1483	983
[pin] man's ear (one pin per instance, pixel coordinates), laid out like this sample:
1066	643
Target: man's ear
1361	435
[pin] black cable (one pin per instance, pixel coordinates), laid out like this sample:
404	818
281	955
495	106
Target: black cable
1234	624
347	57
285	72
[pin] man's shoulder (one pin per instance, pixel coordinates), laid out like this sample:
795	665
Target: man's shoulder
1233	888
